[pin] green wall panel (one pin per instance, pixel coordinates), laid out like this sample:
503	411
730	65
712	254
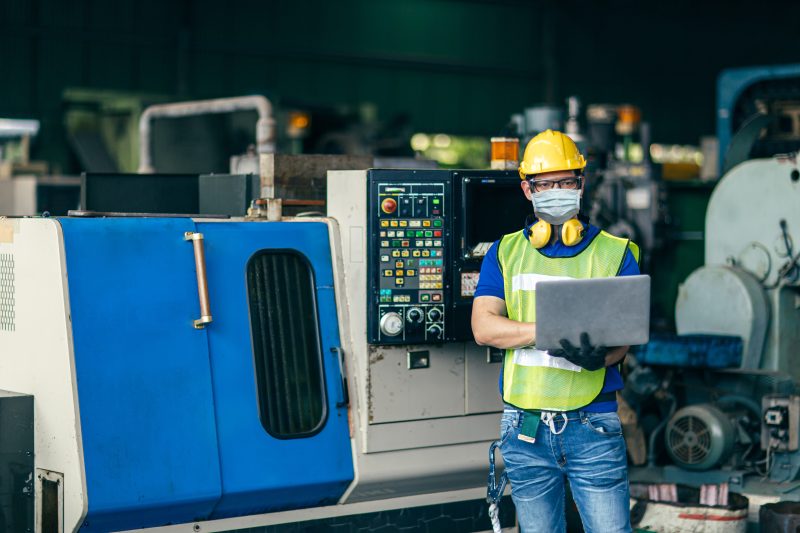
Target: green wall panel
156	70
57	14
442	62
459	66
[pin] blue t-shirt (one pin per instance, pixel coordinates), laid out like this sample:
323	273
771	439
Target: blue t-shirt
491	283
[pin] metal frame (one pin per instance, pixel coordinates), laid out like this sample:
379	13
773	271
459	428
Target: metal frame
57	477
300	515
730	85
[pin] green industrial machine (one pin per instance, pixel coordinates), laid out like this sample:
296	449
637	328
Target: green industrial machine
720	400
686	203
739	421
103	127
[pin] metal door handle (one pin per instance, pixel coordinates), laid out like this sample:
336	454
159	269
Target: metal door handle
202	281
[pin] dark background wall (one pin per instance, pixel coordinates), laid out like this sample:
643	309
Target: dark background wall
456	66
666	56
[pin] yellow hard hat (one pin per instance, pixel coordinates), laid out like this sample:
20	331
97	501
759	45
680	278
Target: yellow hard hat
550	151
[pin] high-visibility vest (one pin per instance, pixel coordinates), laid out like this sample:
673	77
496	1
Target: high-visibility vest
533	379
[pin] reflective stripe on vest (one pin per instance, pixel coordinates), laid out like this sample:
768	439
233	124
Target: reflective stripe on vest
533	379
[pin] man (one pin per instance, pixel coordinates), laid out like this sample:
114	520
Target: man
560	421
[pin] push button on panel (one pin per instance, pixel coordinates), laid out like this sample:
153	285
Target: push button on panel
389	205
391	324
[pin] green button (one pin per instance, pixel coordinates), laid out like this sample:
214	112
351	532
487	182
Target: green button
425	297
435	201
437	223
395	244
429	234
419	234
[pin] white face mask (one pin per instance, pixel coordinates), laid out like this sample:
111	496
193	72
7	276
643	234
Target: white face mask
556	206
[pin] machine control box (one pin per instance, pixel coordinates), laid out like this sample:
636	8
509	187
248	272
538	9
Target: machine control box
425	233
780	423
409	243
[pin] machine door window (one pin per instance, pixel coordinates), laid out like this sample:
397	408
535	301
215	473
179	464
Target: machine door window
286	343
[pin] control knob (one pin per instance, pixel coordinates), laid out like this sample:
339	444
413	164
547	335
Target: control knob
435	314
435	331
415	315
391	324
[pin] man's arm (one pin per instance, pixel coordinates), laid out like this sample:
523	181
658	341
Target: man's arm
492	327
615	354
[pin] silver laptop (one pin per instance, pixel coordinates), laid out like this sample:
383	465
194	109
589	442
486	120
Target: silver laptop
613	311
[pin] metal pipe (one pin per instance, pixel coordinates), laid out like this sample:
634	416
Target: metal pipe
202	279
738	399
265	127
651	445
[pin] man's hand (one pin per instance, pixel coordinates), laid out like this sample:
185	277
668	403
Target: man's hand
587	356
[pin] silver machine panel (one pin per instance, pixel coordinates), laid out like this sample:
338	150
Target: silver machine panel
749	288
749	284
424	409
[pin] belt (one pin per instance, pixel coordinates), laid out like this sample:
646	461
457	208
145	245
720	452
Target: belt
550	417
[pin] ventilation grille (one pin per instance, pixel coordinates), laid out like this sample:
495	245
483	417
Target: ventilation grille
286	343
690	440
7	292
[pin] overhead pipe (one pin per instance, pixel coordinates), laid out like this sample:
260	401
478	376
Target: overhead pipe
265	127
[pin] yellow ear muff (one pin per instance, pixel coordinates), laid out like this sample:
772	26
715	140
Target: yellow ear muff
540	234
571	232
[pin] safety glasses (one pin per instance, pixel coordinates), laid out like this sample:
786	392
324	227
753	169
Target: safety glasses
563	183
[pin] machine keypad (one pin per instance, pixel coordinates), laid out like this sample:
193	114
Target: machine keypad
411	240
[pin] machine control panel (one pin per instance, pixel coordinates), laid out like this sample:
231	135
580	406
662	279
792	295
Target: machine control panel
409	239
427	234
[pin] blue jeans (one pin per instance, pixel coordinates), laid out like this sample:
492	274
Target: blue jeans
589	452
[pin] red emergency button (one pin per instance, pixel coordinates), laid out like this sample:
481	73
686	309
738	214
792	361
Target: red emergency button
389	205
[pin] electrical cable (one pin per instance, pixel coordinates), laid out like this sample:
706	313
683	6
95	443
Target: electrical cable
791	264
651	444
